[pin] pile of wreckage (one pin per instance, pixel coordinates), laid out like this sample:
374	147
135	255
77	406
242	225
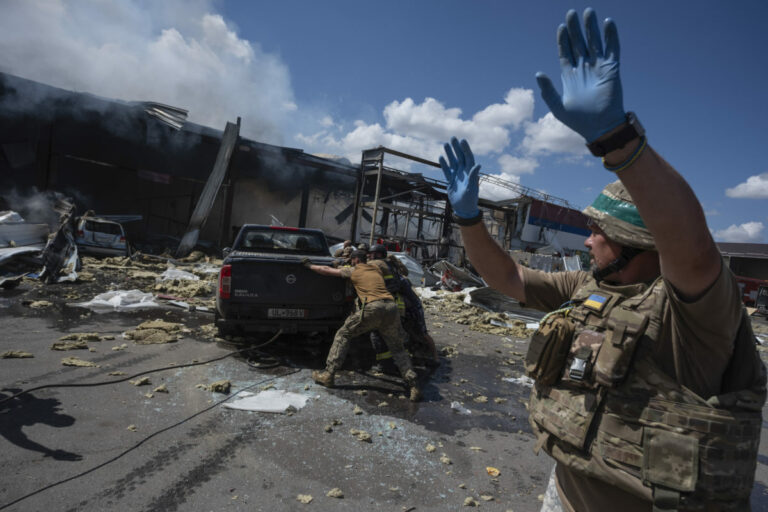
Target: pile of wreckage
35	250
48	254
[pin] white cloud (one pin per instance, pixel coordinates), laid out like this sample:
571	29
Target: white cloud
421	129
496	192
548	135
488	130
514	165
175	52
749	232
756	187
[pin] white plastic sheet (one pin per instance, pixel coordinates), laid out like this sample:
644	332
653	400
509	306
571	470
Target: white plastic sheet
270	400
174	273
119	300
522	381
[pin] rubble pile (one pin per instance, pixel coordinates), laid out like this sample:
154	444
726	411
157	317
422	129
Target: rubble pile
455	305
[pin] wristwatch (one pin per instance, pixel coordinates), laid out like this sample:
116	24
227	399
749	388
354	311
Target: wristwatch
629	131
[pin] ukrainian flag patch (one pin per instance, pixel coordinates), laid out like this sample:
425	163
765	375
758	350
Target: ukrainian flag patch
596	302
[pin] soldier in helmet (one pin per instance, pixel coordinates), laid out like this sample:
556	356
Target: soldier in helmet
377	311
411	312
646	372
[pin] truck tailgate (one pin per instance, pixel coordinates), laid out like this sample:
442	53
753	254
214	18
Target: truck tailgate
283	283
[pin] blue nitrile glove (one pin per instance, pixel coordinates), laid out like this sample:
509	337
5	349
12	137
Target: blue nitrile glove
463	178
592	102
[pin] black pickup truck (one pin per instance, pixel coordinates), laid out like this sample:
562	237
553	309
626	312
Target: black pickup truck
263	286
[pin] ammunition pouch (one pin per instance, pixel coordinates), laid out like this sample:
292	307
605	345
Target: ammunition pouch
548	349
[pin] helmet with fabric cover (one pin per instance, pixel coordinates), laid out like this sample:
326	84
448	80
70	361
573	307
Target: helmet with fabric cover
615	213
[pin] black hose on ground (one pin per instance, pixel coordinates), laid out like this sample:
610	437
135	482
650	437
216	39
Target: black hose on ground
172	367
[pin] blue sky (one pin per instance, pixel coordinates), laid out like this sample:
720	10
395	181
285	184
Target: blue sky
338	76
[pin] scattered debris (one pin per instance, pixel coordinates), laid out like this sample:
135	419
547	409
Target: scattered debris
357	410
477	448
220	386
454	278
492	471
304	498
82	336
462	486
449	351
481	399
361	435
430	448
144	381
272	400
486	497
470	502
69	345
158	331
160	389
38	304
120	347
15	354
132	428
383	404
335	493
328	428
117	373
74	361
457	407
446	460
392	425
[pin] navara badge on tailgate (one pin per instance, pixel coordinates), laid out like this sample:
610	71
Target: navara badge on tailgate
290	279
596	302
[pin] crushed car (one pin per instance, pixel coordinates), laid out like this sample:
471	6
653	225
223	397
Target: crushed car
99	236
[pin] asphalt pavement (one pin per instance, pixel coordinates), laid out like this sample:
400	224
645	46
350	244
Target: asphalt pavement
94	444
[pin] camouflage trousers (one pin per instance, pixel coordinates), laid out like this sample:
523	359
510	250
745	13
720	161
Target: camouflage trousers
382	316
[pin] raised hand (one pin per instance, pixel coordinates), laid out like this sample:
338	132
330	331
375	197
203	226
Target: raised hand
463	177
592	103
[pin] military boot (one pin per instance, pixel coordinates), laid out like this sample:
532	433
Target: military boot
415	394
324	378
412	380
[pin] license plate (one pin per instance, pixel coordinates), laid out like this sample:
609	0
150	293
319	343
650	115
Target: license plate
286	313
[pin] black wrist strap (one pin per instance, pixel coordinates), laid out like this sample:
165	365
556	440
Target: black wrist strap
461	221
631	130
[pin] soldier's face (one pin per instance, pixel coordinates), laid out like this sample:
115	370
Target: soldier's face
602	250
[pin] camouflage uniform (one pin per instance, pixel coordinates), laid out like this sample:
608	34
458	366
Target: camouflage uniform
381	315
644	399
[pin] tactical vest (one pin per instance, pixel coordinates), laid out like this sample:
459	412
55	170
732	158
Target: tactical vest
602	406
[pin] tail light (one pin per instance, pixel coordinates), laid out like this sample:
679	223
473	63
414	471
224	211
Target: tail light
225	281
80	233
122	239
